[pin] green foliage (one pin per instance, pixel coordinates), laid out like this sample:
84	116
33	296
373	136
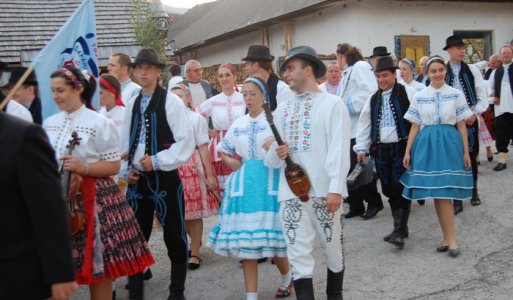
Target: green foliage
147	33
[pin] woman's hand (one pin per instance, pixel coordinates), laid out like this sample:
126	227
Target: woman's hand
72	164
468	163
283	151
211	183
212	133
133	177
406	161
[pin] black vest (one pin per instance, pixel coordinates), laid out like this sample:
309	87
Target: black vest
467	82
499	73
158	134
399	104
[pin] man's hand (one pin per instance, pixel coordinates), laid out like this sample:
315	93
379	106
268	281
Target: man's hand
124	156
64	290
333	202
146	163
361	157
283	151
133	176
496	101
471	120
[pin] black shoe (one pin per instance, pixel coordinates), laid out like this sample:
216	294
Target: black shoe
500	167
148	274
458	206
113	295
421	202
397	240
194	266
353	213
370	213
176	297
454	252
442	248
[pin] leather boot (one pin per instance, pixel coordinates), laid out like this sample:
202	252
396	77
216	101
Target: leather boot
503	157
334	285
396	224
304	289
458	206
177	285
136	287
475	201
397	239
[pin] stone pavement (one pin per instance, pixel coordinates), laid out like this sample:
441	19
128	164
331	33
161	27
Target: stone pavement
376	269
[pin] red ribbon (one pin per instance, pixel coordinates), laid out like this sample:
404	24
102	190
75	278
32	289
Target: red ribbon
109	87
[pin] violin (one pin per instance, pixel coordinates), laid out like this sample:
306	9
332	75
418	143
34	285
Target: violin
296	177
72	188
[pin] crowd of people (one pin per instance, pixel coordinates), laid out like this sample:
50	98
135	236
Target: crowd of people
185	152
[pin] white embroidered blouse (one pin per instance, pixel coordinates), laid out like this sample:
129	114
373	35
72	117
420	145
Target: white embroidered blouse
431	106
200	127
98	135
223	109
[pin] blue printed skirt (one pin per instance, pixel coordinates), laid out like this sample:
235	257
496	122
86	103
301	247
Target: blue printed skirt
249	224
437	168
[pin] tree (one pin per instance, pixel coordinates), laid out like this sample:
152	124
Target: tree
149	31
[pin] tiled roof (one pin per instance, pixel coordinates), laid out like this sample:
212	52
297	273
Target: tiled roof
27	25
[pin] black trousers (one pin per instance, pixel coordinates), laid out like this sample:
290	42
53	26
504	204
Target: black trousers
367	192
161	192
503	131
389	166
473	147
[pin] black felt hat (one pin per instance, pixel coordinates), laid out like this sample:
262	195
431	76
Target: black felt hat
258	53
308	53
147	56
385	63
18	72
380	51
453	40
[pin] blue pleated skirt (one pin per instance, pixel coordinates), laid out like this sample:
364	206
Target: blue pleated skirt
437	168
249	223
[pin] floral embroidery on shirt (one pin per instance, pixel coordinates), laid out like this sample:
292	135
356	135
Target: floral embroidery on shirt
298	123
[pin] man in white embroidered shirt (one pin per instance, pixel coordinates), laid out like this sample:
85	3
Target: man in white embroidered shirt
319	142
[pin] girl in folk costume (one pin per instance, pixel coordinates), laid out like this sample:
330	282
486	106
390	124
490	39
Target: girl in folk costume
407	70
111	244
249	224
110	100
198	179
437	156
223	109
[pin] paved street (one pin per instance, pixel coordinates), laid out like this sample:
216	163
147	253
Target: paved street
376	269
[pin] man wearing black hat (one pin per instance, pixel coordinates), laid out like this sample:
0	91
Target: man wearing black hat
382	132
12	107
317	128
259	63
377	52
157	138
27	95
467	79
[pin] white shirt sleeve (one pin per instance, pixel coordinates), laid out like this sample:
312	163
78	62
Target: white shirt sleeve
18	110
179	152
337	158
363	131
205	108
363	76
201	131
125	131
491	82
107	142
480	84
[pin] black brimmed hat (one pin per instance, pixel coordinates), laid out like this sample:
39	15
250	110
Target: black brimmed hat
258	53
453	40
385	63
18	72
307	53
380	51
147	56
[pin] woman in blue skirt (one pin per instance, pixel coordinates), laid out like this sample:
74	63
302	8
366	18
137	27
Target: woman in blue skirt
437	158
249	223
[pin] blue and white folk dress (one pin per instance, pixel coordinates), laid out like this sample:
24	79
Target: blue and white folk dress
249	224
437	168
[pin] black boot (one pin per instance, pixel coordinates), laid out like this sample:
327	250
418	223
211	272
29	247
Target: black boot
177	285
304	289
458	206
396	225
136	287
397	239
334	285
475	201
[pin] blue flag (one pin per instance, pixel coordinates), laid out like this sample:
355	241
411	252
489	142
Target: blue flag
74	43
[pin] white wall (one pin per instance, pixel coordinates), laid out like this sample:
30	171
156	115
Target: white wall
374	23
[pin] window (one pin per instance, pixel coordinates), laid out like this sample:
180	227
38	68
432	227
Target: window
478	43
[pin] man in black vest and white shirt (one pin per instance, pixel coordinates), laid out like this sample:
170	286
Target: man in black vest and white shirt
501	83
156	139
468	79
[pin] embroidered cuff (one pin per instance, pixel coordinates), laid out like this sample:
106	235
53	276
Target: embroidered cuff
226	147
155	162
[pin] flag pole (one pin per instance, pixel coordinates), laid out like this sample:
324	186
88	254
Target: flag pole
16	87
